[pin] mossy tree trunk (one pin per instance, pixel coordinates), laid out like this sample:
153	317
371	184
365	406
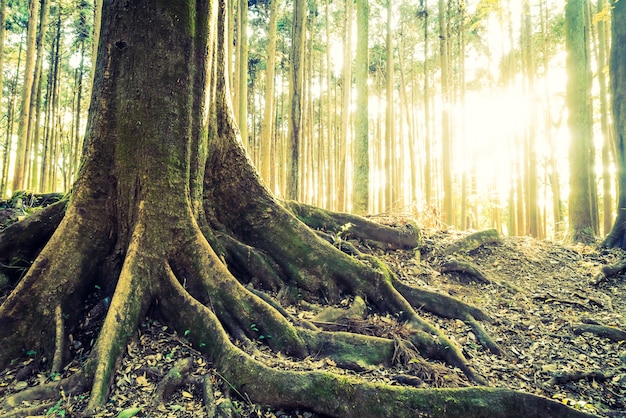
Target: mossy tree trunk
168	213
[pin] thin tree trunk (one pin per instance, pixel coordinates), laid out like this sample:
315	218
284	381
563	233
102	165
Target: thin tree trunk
52	109
601	47
296	90
390	192
446	137
346	89
267	125
528	67
553	176
581	217
360	198
428	197
242	85
5	155
19	172
35	108
328	132
77	137
97	20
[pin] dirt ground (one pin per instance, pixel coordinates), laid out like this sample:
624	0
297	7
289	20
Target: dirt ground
540	295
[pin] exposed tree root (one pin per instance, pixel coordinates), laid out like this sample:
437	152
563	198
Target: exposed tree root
147	278
173	379
407	236
561	378
76	383
342	396
21	242
607	272
465	267
604	331
30	411
473	241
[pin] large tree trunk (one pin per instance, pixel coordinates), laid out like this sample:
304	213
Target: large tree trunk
166	201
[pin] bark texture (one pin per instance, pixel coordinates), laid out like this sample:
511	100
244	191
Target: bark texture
617	71
169	217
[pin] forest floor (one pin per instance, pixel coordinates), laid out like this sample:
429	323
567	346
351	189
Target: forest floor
538	293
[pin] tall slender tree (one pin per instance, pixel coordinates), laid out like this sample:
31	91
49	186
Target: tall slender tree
617	73
446	134
267	123
346	95
5	151
580	205
360	196
19	172
296	91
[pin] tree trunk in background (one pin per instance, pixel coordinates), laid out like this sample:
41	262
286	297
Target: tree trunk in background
24	121
528	69
296	91
346	91
52	107
446	136
390	140
97	20
242	84
267	124
328	169
346	123
581	220
428	197
412	189
467	147
617	72
7	142
35	108
553	172
76	149
360	196
231	67
607	137
305	165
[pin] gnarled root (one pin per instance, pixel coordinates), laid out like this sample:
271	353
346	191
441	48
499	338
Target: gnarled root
333	395
192	289
406	236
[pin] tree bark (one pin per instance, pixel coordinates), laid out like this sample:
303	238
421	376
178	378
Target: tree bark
360	196
617	68
296	94
19	171
580	205
267	124
446	135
